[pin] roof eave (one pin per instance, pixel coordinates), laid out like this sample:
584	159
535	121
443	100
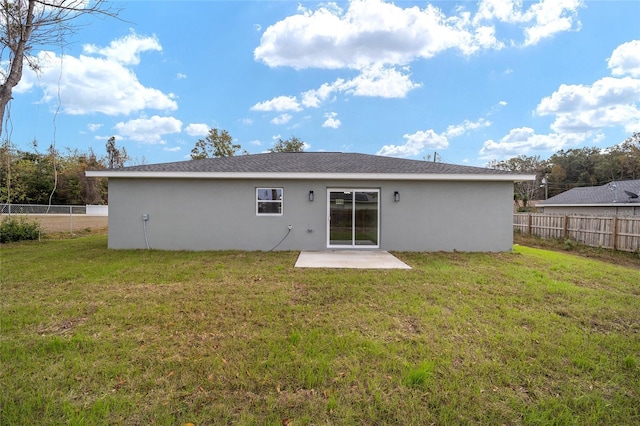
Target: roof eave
310	176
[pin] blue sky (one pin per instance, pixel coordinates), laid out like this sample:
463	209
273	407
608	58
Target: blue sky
472	81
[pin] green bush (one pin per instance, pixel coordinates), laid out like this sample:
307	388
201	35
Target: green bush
18	229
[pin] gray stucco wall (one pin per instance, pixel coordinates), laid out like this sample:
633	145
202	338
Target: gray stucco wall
189	214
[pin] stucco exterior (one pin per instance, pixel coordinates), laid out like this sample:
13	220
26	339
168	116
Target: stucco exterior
220	214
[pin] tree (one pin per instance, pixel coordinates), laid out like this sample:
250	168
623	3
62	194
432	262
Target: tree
292	144
587	166
216	144
75	187
527	190
25	24
34	177
630	158
577	167
116	158
6	160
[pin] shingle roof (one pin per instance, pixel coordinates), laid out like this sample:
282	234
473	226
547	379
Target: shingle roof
613	192
312	162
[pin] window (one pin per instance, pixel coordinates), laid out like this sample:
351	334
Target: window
269	201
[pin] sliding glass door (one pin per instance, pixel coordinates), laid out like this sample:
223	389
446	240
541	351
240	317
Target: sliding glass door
353	217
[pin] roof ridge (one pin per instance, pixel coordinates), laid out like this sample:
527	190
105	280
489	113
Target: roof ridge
315	162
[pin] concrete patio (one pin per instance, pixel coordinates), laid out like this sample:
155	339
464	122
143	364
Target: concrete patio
351	259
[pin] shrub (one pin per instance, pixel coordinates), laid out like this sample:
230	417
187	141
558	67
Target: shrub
18	229
569	244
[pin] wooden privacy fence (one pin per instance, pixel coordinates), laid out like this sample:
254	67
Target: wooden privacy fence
618	233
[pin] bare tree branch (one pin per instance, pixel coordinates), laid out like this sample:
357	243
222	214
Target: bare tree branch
26	24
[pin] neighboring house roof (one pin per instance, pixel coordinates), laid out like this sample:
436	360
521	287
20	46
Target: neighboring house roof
611	193
311	165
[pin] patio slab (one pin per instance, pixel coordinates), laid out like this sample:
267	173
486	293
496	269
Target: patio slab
352	259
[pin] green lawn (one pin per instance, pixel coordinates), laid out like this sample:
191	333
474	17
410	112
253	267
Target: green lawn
94	336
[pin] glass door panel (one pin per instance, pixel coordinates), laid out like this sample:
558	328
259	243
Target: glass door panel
353	218
366	218
340	218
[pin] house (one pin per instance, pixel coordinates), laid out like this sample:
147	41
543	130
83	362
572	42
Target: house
310	201
618	198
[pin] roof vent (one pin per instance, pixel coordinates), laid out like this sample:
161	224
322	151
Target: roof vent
614	188
632	195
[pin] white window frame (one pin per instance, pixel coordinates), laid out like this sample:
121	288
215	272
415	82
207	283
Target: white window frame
280	201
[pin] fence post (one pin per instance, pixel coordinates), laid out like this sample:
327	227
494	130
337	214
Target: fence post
615	232
565	227
529	224
71	219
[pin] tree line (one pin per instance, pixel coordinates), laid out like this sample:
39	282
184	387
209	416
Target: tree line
53	177
219	143
566	169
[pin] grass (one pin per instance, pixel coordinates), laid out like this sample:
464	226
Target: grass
94	336
630	259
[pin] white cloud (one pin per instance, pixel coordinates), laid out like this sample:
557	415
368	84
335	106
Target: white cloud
456	130
125	50
485	38
373	81
368	32
542	20
580	108
197	129
378	81
313	98
551	17
501	10
181	76
246	121
148	130
94	127
374	32
282	119
92	84
174	149
416	142
429	139
280	103
625	116
625	59
580	111
524	140
379	39
497	107
332	120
